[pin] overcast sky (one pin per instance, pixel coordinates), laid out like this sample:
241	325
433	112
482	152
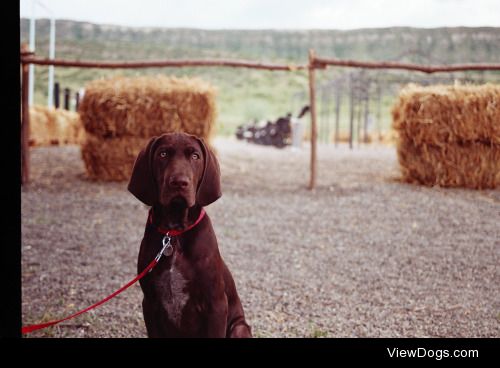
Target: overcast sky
274	14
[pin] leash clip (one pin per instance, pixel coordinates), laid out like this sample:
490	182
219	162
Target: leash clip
167	246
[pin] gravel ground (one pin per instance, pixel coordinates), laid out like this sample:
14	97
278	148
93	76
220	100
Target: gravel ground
362	256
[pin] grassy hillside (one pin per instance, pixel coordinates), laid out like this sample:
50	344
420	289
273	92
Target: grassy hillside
250	94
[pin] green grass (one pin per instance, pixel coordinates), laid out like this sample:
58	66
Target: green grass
247	94
242	94
318	333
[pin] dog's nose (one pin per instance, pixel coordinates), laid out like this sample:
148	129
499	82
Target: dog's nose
179	181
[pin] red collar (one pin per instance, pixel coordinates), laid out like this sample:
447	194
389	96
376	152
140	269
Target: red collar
167	250
174	232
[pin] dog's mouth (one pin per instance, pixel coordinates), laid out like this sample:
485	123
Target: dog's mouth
179	199
178	204
176	211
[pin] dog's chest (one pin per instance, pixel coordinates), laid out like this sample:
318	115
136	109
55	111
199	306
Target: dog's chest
174	293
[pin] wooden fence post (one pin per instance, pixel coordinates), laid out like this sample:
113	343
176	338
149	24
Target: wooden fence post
25	120
367	113
314	132
77	101
337	114
358	115
67	95
379	110
323	113
351	111
57	95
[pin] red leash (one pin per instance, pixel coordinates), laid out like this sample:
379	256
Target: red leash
31	328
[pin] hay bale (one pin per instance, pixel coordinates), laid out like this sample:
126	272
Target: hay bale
49	126
111	159
472	165
39	127
440	114
148	106
71	129
449	135
120	115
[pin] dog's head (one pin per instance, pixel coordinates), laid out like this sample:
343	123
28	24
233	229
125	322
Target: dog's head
176	169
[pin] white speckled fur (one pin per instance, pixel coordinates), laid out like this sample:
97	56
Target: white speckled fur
179	298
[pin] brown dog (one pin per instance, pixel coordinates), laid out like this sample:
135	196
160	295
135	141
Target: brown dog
190	293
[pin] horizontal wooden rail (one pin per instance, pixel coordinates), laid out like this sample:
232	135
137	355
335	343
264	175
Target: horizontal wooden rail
160	63
317	62
28	57
323	63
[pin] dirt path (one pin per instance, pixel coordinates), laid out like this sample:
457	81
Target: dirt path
363	255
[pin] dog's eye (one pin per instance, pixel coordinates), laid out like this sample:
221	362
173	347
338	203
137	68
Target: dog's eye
163	154
195	156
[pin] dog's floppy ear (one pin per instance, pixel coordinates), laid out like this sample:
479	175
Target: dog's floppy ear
209	186
142	184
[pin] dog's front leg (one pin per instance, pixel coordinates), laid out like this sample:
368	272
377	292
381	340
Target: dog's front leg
149	312
217	316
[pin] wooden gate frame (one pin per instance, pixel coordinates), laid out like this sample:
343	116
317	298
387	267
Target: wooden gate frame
28	57
323	63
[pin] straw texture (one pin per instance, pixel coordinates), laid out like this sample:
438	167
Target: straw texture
449	135
49	126
121	114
